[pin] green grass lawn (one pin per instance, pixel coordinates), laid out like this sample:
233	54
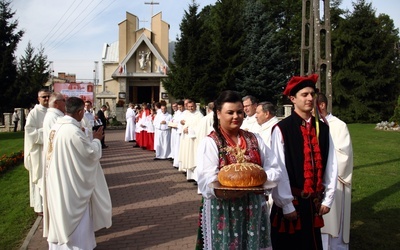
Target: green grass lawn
375	205
16	217
376	188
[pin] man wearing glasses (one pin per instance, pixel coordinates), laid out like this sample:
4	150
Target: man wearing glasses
249	107
33	149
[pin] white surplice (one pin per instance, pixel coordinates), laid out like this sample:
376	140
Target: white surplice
130	117
336	232
33	154
250	124
163	144
187	147
266	130
175	138
75	182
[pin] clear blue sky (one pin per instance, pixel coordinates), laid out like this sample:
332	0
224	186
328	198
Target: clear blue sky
73	32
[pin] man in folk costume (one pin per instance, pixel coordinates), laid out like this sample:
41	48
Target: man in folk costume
163	144
33	149
336	232
190	120
302	144
78	200
130	117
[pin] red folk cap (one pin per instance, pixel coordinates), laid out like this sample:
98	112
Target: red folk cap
299	82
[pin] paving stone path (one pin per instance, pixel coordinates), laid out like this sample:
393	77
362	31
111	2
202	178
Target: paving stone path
154	207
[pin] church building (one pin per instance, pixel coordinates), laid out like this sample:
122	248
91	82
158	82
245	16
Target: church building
134	66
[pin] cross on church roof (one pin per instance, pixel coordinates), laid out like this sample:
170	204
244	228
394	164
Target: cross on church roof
152	3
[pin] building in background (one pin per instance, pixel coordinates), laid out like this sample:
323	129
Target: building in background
134	66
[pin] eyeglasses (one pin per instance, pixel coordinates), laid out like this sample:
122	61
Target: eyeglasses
45	96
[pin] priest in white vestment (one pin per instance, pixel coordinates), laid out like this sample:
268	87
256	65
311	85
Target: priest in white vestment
130	116
204	127
336	232
56	110
163	143
78	200
265	116
190	120
33	149
249	108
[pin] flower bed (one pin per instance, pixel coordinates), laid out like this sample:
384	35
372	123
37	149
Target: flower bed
7	162
392	126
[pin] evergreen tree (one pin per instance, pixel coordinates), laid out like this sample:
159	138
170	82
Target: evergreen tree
226	35
365	66
9	39
263	71
187	78
287	17
33	72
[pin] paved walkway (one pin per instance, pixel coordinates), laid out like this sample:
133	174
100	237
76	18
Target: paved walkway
154	207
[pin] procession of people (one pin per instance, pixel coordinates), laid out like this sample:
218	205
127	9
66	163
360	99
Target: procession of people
308	209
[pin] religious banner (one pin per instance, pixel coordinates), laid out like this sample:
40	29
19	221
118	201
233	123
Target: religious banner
81	90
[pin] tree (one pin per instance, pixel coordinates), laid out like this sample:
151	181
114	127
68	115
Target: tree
226	35
263	72
33	72
187	76
9	39
286	15
365	75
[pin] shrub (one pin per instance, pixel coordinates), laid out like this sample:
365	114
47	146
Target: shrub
7	162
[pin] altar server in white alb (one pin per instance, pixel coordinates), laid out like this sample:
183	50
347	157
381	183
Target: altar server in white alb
33	149
163	145
78	200
130	117
336	232
176	137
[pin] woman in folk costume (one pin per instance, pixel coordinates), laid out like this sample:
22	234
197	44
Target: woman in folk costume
303	145
232	219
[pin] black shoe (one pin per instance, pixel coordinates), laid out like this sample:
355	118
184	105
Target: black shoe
104	146
170	159
157	159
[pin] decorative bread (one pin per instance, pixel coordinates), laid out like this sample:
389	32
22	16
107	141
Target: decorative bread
242	175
